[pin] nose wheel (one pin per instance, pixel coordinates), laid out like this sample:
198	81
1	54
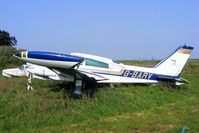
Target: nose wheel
29	87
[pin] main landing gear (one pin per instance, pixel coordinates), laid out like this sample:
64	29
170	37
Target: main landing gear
88	84
78	87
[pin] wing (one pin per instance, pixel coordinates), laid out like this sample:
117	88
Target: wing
78	73
61	64
92	75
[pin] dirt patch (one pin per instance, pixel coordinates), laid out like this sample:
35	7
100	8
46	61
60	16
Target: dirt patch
165	128
195	109
128	115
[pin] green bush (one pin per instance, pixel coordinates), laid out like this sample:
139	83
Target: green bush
6	56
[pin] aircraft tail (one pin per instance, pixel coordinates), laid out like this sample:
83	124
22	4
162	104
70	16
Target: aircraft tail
173	64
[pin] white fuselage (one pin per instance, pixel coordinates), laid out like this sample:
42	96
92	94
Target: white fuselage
115	72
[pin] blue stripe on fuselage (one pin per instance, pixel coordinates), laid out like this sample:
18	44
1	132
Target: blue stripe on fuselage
53	56
140	75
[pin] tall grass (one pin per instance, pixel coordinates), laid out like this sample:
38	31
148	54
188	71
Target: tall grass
50	107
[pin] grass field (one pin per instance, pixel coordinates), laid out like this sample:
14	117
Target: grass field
141	109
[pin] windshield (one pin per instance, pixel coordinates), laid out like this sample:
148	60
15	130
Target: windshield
21	67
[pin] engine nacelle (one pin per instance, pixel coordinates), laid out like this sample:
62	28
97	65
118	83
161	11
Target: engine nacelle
49	59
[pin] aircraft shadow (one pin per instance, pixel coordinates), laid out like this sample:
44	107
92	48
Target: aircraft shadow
68	89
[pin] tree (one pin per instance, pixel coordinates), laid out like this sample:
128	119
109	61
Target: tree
6	39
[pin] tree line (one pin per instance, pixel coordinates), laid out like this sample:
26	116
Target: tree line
7	49
6	39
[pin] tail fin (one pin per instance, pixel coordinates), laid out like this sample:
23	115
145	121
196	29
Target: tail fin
173	64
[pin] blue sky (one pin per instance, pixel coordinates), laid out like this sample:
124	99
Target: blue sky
118	29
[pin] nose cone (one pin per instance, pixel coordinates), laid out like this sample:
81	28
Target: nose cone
18	55
5	73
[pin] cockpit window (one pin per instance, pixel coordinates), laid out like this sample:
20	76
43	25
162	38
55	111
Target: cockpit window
26	67
90	62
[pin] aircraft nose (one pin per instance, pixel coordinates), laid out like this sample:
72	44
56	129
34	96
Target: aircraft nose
4	73
18	54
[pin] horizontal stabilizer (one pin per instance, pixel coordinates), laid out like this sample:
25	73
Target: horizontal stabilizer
184	80
165	77
172	78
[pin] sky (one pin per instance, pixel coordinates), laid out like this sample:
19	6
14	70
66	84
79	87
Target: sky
117	29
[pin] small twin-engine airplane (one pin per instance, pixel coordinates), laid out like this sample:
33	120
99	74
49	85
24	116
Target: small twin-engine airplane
76	67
